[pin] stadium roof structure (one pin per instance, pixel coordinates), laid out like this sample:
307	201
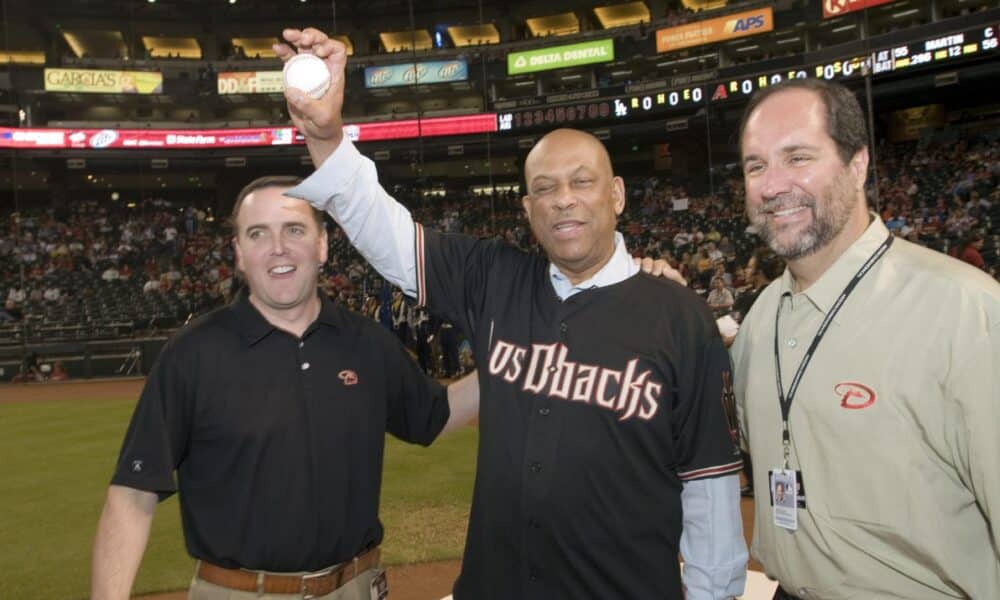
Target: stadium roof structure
179	47
474	35
622	15
92	43
397	41
254	46
561	24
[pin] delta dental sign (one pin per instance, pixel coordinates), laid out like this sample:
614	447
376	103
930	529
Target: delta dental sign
558	57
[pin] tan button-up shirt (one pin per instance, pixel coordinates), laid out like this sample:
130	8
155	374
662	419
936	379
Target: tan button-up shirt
895	427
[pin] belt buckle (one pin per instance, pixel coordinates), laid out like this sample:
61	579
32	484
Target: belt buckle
306	595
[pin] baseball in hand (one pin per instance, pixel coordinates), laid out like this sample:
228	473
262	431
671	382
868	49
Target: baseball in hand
308	73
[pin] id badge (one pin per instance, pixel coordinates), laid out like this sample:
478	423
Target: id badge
784	489
380	587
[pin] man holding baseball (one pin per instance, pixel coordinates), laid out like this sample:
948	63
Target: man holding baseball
607	440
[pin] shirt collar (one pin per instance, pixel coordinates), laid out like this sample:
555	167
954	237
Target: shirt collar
831	284
254	327
618	269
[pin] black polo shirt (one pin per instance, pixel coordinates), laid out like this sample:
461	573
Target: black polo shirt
277	441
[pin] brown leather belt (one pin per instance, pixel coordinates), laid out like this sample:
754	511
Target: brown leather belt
308	586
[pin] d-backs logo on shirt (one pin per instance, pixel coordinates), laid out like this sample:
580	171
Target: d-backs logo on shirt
543	369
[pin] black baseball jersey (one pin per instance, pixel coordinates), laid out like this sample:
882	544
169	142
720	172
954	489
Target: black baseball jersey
593	412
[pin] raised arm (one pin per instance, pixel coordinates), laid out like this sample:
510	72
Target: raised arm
345	183
320	120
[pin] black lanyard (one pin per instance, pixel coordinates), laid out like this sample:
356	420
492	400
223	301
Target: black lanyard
786	401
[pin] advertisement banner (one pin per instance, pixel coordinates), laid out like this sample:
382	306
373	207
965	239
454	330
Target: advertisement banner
559	57
92	81
96	139
835	8
736	25
439	71
145	139
413	128
251	82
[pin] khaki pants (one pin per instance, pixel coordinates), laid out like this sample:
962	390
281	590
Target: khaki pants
358	588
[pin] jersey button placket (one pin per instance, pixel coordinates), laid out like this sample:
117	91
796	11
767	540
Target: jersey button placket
301	354
305	366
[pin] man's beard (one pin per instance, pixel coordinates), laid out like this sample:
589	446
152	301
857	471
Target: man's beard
827	222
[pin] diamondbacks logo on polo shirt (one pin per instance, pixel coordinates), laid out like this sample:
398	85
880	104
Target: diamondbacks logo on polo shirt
348	376
854	395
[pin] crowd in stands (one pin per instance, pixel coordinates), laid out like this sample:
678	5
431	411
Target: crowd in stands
104	270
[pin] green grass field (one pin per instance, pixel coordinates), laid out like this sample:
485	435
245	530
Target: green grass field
58	457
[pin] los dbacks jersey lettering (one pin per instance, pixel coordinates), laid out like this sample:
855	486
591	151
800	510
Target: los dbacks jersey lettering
549	372
593	413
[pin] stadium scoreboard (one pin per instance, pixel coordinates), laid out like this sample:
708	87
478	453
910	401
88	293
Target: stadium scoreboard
939	49
899	59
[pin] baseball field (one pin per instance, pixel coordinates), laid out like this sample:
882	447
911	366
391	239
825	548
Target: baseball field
59	442
58	446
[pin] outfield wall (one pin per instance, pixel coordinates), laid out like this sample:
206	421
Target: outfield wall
86	359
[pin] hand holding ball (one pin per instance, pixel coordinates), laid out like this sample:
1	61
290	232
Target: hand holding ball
308	73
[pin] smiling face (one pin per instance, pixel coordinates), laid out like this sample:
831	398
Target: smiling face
279	249
573	201
800	195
